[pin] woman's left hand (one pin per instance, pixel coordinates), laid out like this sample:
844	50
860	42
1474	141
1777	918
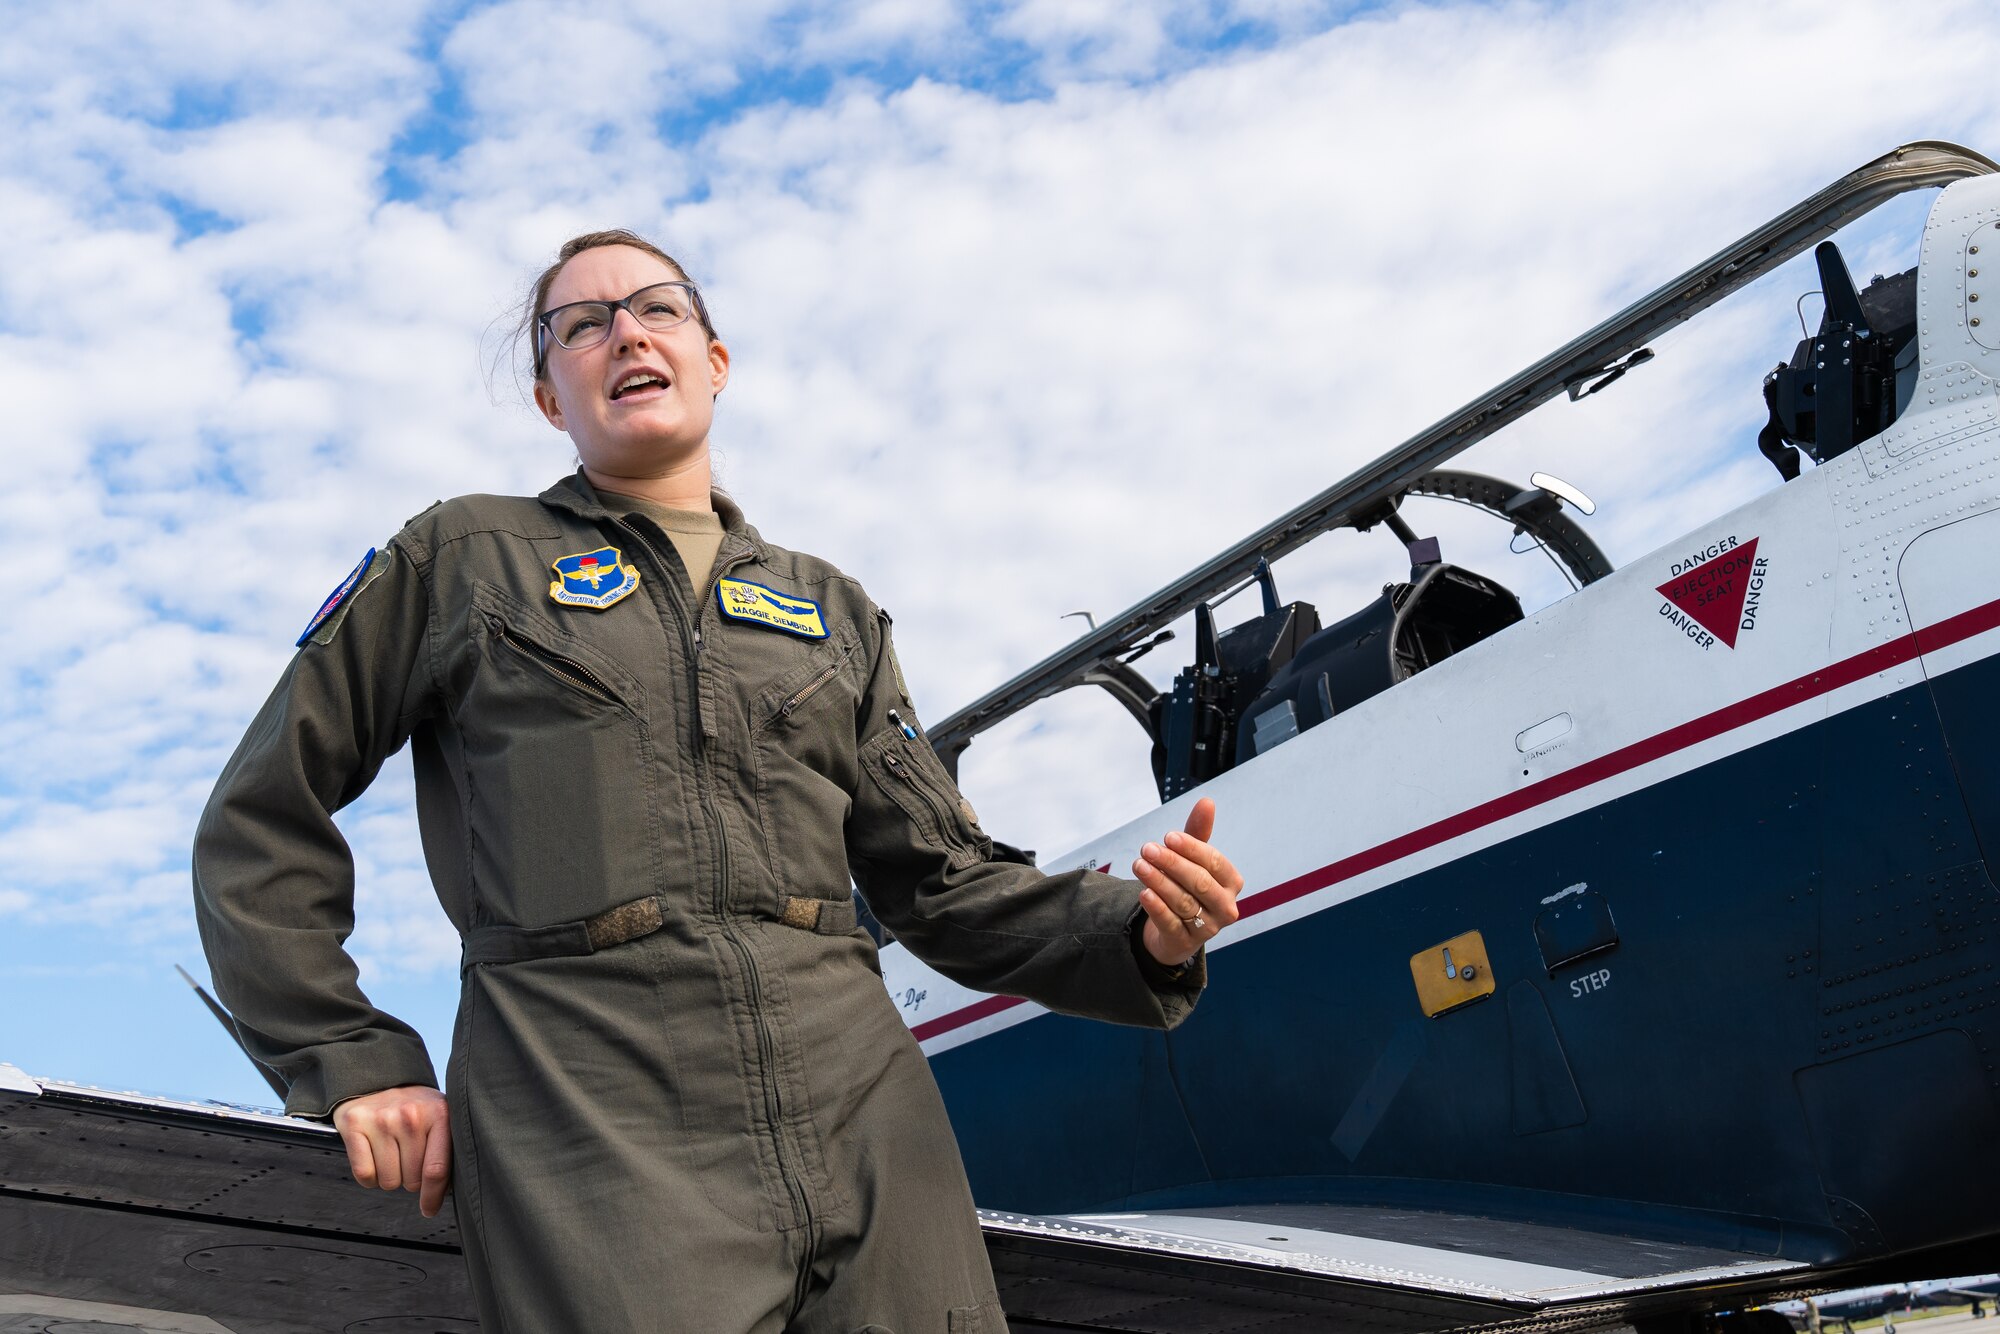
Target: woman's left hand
1189	889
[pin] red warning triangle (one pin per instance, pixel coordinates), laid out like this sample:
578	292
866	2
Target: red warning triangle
1711	594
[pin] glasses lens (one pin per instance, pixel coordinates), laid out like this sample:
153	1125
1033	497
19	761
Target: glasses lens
580	324
662	307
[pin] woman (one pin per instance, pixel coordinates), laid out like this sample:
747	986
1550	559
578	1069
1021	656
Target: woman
651	749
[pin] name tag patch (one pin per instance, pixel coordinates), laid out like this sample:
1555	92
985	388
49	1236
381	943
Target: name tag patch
592	578
742	600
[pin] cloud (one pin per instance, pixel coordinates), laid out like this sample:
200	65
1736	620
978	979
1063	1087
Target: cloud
208	59
1033	307
1104	39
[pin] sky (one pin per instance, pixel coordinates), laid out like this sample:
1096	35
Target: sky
1033	305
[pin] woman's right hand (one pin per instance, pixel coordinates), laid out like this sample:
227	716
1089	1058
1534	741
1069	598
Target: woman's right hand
399	1138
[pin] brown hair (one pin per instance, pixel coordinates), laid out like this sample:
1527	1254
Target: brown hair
525	332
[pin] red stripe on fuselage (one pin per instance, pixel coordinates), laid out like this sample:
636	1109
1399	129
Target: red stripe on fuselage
1691	733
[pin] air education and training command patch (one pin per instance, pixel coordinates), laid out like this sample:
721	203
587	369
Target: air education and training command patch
333	611
742	600
592	578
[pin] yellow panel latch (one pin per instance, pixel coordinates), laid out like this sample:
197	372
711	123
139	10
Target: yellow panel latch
1452	974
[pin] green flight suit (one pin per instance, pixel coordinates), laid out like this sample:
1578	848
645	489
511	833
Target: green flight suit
680	1096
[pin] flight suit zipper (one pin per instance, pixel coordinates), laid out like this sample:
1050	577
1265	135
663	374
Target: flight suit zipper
907	772
797	699
774	1101
562	668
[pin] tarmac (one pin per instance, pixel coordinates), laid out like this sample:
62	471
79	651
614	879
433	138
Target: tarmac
1954	1321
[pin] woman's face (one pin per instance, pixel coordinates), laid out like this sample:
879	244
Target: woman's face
649	429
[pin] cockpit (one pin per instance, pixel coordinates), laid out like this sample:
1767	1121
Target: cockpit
1261	683
1256	685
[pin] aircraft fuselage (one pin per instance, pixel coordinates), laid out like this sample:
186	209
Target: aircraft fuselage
1722	822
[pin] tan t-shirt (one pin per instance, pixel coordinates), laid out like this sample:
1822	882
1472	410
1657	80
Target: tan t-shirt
696	534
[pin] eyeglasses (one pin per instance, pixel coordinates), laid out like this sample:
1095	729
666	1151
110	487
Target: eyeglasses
588	323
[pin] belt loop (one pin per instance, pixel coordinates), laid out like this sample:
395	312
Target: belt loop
827	917
628	921
498	943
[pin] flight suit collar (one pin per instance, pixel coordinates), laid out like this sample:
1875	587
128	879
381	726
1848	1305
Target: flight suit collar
575	494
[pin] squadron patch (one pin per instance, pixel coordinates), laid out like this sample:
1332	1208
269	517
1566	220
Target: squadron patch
333	611
592	578
742	600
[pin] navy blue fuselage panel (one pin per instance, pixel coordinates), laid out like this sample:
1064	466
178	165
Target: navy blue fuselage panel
1796	924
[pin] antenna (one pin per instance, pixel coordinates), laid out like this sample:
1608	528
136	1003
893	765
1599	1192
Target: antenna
222	1017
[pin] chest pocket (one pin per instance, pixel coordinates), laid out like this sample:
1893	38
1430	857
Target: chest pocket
814	694
805	752
565	665
559	766
515	638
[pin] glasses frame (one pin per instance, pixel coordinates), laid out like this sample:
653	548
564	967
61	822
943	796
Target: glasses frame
545	332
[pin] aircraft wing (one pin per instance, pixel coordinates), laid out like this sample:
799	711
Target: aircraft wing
121	1210
1953	1292
1297	1267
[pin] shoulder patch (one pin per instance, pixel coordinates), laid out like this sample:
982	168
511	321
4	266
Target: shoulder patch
895	667
742	600
896	670
594	579
326	621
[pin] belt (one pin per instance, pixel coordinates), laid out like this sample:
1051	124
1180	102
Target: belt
627	922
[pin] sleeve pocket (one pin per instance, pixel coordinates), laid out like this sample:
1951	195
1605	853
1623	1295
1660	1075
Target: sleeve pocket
910	773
